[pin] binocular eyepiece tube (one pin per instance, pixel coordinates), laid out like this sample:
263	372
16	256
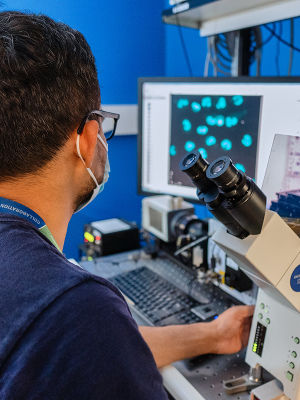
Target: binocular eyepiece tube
232	197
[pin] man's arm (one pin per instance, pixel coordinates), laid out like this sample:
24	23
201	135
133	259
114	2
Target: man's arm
227	334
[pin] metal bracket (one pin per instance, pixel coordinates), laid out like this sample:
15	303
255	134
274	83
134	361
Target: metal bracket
245	383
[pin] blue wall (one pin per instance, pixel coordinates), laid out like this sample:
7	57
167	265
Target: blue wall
129	40
196	48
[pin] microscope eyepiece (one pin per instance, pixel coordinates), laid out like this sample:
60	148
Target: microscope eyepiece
217	167
232	197
194	165
224	174
189	159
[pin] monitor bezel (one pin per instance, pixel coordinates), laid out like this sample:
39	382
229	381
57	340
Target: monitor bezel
240	79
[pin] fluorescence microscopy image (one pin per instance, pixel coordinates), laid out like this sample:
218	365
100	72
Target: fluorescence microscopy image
215	126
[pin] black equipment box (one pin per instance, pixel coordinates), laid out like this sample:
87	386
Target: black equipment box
110	236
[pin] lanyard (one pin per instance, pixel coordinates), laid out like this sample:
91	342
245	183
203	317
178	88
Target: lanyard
14	208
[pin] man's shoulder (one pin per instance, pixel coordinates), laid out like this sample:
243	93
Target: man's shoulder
89	347
33	275
24	250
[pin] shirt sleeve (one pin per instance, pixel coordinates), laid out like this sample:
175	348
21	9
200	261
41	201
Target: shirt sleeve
85	345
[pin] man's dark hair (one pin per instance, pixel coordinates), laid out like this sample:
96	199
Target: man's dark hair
48	82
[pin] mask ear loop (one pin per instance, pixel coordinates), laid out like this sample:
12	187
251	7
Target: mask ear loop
88	169
102	141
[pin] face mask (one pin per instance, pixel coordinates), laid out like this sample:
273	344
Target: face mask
99	188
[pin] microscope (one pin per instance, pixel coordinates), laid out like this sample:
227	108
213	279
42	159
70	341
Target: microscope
268	252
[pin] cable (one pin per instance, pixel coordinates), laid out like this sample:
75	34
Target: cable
221	62
258	61
258	49
291	49
207	60
190	245
278	50
223	48
282	40
216	61
184	47
271	35
220	52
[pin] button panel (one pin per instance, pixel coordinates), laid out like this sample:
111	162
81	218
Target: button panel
289	376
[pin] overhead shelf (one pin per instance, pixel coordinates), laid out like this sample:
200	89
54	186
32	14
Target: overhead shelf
217	16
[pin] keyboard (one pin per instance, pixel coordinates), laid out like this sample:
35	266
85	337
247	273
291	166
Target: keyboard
156	298
161	290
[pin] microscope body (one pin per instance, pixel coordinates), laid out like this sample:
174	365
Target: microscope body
267	250
272	260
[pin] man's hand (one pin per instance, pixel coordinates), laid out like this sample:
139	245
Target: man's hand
227	334
232	329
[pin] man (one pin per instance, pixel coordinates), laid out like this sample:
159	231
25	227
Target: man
66	334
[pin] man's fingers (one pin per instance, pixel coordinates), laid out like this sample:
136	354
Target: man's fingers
250	310
244	311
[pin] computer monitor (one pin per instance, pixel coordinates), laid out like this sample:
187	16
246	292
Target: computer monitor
236	117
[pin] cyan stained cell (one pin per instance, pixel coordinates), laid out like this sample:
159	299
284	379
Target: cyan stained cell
231	121
187	126
237	100
240	167
210	120
196	106
220	120
202	130
189	146
247	140
203	152
182	103
226	144
206	102
172	150
221	103
210	141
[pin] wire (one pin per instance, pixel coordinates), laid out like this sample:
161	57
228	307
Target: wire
184	47
258	49
190	245
216	60
220	52
291	48
207	60
271	35
278	50
258	61
282	40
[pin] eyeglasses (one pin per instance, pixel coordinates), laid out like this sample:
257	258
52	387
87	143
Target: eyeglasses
108	122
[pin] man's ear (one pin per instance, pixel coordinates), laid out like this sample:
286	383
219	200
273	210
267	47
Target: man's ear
88	141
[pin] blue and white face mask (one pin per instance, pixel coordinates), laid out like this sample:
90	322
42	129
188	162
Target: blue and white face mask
99	188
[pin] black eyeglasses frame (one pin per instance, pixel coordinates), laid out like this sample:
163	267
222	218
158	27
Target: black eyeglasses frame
103	114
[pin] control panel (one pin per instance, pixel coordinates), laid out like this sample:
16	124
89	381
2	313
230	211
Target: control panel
274	343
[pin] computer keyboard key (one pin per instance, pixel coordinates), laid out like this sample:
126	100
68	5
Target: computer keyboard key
156	298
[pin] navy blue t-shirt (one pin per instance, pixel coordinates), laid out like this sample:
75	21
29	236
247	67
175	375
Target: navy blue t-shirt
64	333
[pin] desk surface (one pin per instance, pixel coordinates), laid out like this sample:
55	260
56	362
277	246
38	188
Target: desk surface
197	379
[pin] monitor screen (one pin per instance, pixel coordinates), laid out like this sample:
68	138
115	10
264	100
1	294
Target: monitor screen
234	117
